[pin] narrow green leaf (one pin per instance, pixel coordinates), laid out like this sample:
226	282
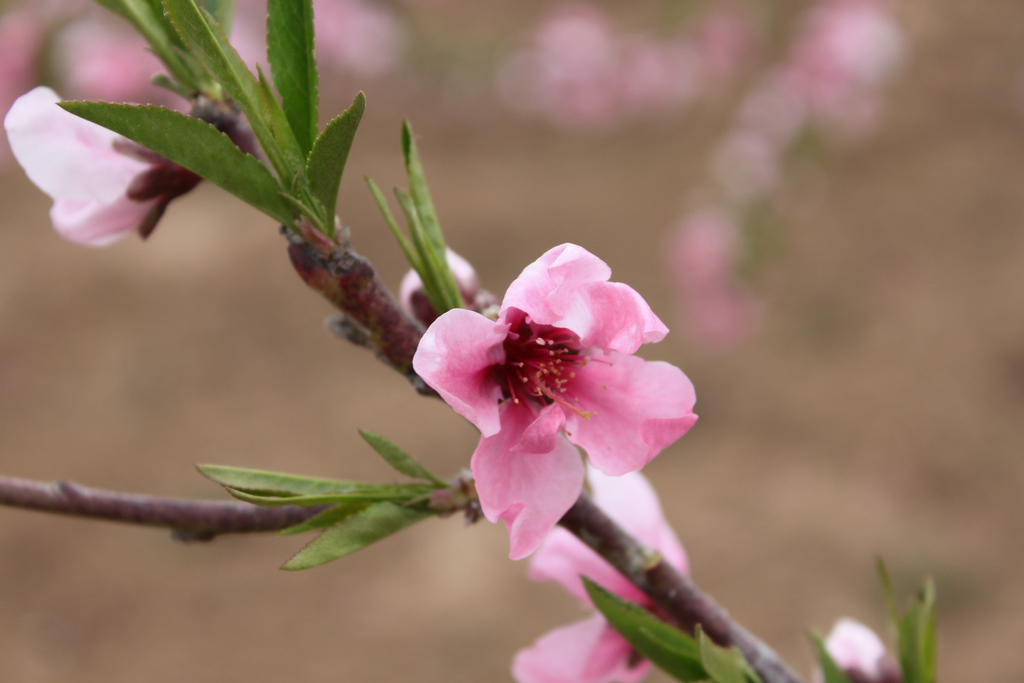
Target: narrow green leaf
403	241
927	628
294	157
326	162
256	481
668	648
355	533
362	496
328	517
194	144
399	459
432	285
724	665
889	596
434	240
290	50
207	42
830	670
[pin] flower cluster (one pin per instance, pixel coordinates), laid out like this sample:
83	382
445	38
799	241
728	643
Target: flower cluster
555	370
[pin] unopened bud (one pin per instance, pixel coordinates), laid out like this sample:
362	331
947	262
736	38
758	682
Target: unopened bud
859	652
415	300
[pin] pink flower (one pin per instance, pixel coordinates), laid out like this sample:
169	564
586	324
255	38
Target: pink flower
860	653
591	651
555	369
103	187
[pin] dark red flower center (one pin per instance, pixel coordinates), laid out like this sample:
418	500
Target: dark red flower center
540	365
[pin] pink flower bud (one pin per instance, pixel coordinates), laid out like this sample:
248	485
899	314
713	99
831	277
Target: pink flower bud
415	300
858	651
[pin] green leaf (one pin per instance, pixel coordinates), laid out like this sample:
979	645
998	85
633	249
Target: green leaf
206	41
194	144
831	671
326	162
284	136
407	248
668	648
223	11
370	494
434	240
257	481
328	517
724	665
290	50
355	533
432	286
399	459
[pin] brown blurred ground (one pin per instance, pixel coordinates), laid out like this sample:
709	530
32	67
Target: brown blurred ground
879	411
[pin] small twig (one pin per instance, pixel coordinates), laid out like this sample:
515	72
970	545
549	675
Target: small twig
188	520
349	281
673	592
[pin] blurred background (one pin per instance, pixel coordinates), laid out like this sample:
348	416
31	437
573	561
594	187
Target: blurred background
842	268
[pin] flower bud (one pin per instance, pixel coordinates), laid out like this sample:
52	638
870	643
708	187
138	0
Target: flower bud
860	653
414	298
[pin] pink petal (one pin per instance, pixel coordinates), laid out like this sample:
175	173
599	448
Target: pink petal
65	156
637	409
97	224
527	475
567	287
455	358
854	646
588	651
563	558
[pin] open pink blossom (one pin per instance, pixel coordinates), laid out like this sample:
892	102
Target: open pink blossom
555	369
591	651
103	186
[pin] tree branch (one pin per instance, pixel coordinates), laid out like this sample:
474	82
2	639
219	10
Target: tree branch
188	520
670	590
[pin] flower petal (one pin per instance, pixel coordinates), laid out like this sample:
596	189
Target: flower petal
97	224
637	408
563	558
588	651
65	156
527	475
630	501
567	287
455	358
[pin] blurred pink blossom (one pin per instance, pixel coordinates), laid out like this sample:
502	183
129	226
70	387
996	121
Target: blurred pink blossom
357	36
553	372
591	651
847	49
21	37
106	63
578	71
703	258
